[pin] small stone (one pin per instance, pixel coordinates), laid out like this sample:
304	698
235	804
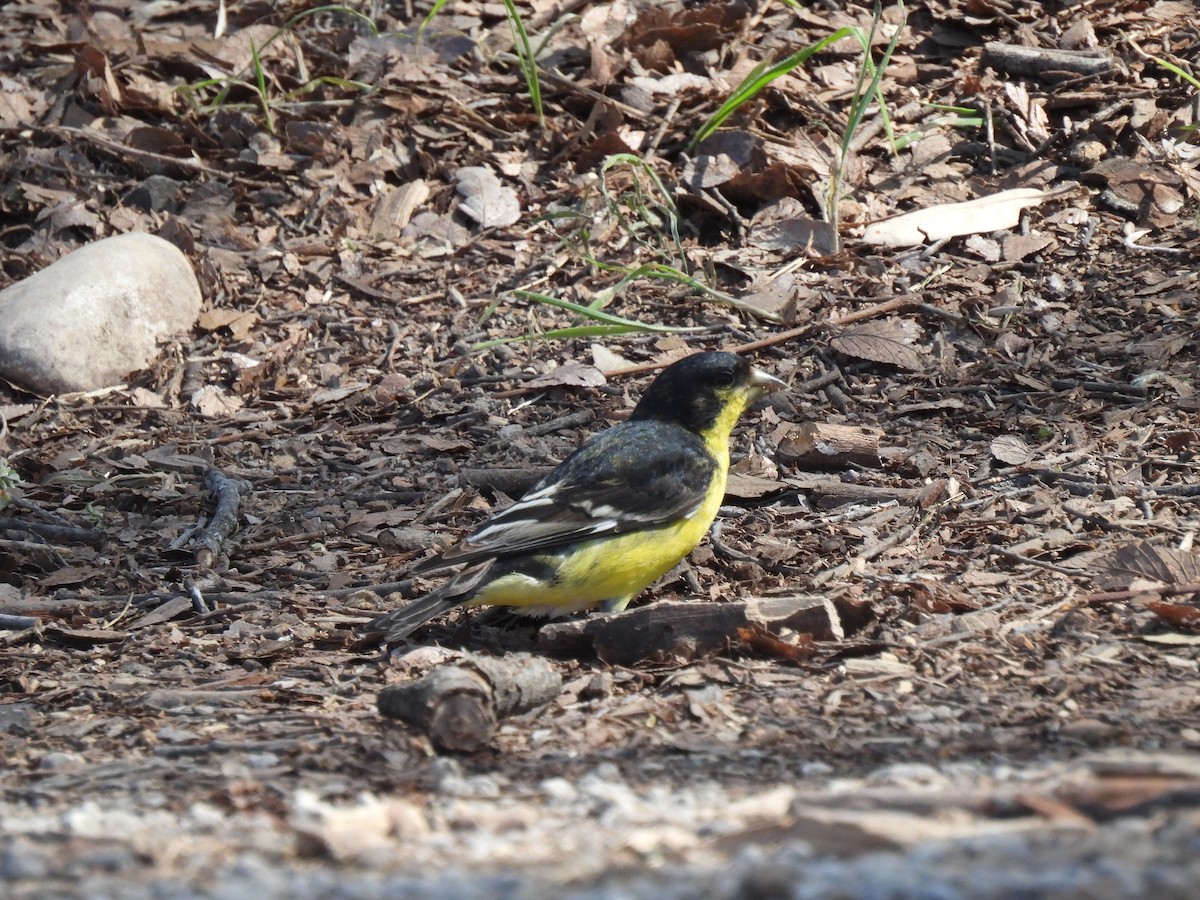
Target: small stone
16	718
262	760
96	315
23	859
599	688
59	759
1087	153
155	194
559	791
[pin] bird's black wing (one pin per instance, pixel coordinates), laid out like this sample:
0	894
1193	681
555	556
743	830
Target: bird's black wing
635	475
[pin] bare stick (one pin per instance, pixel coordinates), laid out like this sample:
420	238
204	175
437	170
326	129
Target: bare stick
224	518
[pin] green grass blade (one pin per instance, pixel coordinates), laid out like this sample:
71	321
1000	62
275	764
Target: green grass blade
560	334
604	324
597	315
1179	71
437	8
660	272
333	80
761	76
526	58
643	204
260	86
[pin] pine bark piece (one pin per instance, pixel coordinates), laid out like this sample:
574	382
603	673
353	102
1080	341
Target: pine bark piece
688	628
1015	59
820	445
459	706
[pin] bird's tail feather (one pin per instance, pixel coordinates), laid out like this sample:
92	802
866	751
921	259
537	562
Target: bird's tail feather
400	623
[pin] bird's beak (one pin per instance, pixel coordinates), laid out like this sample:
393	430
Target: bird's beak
764	383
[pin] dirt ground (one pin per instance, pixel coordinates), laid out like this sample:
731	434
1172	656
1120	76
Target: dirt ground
998	697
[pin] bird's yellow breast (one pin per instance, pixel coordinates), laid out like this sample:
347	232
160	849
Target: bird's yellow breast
609	570
613	570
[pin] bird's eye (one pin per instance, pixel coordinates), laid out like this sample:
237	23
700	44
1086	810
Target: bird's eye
723	379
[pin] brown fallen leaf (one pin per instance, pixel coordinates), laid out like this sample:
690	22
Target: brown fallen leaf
1178	614
757	639
395	207
239	322
1143	562
571	374
882	342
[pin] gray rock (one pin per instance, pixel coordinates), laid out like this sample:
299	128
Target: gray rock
96	315
23	859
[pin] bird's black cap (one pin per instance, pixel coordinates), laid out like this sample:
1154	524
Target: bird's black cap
690	391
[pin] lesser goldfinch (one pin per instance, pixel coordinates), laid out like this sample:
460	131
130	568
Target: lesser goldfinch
612	517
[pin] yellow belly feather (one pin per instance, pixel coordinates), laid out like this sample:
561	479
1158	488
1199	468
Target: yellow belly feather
614	570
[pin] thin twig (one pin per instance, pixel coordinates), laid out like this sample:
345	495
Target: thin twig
1013	556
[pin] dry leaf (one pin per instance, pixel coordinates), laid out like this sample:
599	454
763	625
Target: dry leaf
947	220
882	342
147	399
1189	640
1010	449
570	374
1037	123
485	199
1178	614
786	226
607	360
394	209
239	322
1019	246
1142	561
213	401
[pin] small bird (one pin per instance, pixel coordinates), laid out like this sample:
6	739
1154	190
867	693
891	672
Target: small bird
612	517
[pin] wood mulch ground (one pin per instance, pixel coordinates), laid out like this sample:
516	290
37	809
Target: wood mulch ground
997	549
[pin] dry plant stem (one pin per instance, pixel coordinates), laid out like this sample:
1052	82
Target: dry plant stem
896	304
363	288
125	152
93	606
724	550
224	518
62	534
17	623
548	74
31	547
385	361
36	510
1030	561
668	117
198	603
868	554
46	606
1169	590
